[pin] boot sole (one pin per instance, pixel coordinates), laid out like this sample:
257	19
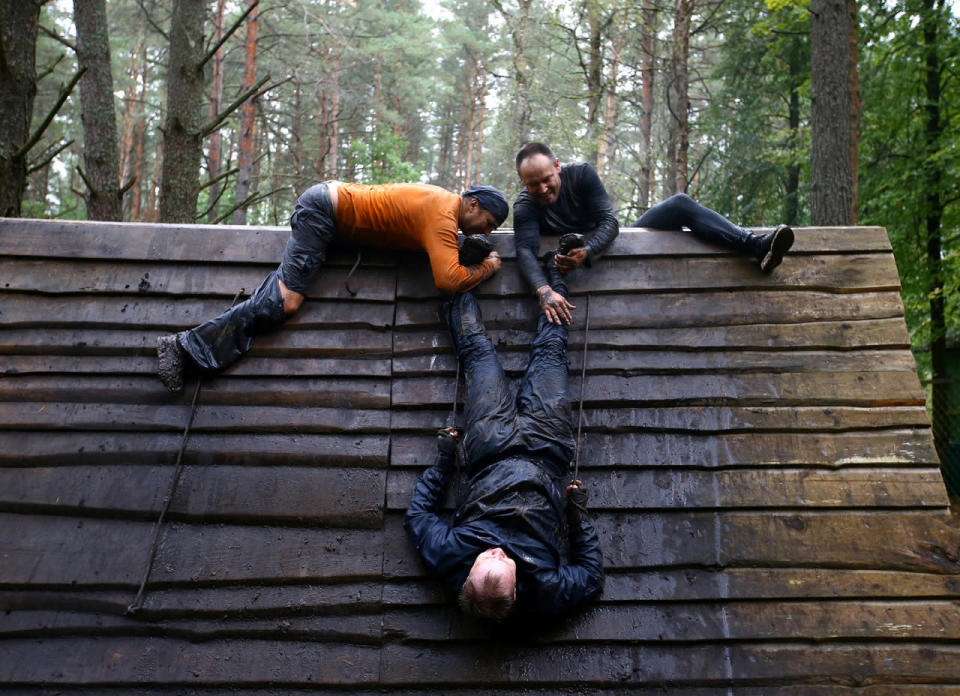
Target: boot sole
780	245
170	363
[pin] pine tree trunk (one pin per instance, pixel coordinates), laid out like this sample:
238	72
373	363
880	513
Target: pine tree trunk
138	141
594	76
648	33
833	112
248	120
216	100
607	149
791	202
100	160
678	100
18	39
180	177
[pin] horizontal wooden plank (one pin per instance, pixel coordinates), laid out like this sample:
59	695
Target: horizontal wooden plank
861	388
708	622
103	661
34	415
677	310
614	273
334	598
97	448
138	279
854	540
290	341
638	362
264	494
676	450
432	337
55	550
154	312
715	419
343	392
147	365
662	488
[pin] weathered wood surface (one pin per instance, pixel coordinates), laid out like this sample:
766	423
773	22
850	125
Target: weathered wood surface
767	493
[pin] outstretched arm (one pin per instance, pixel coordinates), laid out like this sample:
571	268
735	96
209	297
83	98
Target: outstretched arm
426	529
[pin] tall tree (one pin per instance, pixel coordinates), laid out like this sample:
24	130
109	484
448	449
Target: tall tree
216	100
834	112
100	158
18	39
248	120
678	100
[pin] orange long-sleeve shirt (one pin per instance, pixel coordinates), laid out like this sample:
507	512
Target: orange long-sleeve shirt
416	217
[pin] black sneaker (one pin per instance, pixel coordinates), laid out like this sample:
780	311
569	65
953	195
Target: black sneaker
773	246
171	358
569	242
474	250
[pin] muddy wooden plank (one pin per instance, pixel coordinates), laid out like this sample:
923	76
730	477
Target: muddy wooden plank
147	365
710	622
102	661
637	362
352	628
295	342
715	419
309	495
331	598
33	415
181	313
55	550
344	392
675	310
853	272
862	388
96	448
137	278
769	688
620	489
842	449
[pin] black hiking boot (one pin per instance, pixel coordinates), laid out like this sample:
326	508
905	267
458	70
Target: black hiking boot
171	358
772	247
569	242
474	250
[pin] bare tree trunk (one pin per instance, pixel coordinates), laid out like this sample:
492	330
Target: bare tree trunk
791	201
180	177
128	128
833	112
648	33
519	25
100	160
607	145
18	39
248	120
594	78
138	138
678	100
216	100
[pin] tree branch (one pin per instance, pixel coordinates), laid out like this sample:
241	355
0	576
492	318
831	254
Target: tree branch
83	175
249	200
219	177
56	37
37	134
153	24
227	34
254	92
50	68
126	186
49	159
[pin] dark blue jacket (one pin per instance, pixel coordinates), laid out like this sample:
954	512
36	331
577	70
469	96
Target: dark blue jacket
516	504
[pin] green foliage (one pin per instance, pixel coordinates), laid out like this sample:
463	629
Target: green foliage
378	159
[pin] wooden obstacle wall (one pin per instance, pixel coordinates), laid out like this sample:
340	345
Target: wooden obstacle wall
771	512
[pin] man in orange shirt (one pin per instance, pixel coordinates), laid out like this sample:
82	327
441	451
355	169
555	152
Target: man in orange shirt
415	217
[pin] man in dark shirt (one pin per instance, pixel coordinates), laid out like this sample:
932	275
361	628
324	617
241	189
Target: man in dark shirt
519	543
570	198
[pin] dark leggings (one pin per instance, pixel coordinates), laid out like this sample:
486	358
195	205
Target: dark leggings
537	422
223	340
682	211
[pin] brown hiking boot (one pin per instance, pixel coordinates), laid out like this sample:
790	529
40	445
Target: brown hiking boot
171	358
773	246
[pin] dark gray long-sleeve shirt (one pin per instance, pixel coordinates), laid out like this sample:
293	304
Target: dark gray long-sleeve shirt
582	206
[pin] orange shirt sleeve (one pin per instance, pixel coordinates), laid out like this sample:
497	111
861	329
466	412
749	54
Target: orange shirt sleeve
440	243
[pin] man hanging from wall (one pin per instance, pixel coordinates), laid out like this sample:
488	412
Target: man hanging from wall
570	200
521	541
414	217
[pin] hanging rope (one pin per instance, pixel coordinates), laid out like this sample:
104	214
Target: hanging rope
137	602
583	379
346	282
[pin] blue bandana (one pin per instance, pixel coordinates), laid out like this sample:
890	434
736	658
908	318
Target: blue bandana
491	200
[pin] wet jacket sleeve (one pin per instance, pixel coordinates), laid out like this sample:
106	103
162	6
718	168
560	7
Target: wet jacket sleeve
591	190
426	529
526	237
448	274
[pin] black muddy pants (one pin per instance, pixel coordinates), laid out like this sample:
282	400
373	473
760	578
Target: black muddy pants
681	210
222	341
536	422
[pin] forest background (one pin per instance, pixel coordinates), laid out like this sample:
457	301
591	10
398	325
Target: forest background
222	111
